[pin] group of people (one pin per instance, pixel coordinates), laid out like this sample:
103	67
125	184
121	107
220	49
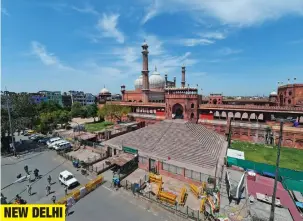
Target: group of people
48	186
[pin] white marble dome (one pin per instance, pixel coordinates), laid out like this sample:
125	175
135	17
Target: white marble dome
139	82
104	91
273	93
156	81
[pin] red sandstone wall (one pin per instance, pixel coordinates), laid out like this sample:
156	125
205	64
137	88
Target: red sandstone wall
206	116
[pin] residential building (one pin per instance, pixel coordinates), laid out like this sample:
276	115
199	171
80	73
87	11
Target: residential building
66	100
37	98
77	96
82	98
89	99
53	96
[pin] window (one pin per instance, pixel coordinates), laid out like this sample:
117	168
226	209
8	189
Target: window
290	93
188	173
192	105
289	101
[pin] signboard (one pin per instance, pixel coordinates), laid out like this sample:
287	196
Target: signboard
31	212
130	150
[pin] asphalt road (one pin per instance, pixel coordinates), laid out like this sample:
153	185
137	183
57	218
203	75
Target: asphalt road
102	204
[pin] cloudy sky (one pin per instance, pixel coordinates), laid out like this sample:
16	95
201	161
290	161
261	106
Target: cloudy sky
235	47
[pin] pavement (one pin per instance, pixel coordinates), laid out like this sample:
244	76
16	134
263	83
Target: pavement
103	203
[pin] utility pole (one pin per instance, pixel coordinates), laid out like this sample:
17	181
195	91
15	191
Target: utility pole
10	122
273	203
229	133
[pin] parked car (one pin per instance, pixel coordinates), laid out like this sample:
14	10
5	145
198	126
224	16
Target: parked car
62	146
43	141
37	138
51	146
31	137
52	140
31	132
67	178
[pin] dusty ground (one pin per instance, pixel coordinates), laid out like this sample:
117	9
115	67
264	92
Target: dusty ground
84	155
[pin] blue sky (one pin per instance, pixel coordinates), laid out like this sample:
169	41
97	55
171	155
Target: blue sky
234	47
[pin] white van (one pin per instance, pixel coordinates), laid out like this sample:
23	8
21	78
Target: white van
56	142
63	146
52	140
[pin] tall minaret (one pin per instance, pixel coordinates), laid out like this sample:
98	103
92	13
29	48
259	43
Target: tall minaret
145	71
183	77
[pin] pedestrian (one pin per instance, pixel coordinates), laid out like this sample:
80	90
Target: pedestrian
48	188
54	199
65	190
49	179
36	173
29	189
26	169
66	209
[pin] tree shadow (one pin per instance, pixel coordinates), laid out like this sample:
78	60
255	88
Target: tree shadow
53	183
34	193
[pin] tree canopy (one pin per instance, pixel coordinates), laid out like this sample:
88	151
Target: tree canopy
113	111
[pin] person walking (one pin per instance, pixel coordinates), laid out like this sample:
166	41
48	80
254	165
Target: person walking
26	169
65	190
54	199
29	190
49	179
48	188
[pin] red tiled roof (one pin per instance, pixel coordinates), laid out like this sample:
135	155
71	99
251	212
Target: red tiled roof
265	185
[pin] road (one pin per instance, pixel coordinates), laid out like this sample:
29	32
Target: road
103	203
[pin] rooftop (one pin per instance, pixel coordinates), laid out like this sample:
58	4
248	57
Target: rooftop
185	144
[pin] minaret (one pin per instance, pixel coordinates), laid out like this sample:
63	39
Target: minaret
145	81
183	77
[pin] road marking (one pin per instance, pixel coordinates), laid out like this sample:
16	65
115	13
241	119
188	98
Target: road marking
108	188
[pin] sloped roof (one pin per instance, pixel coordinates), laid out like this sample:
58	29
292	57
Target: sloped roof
184	142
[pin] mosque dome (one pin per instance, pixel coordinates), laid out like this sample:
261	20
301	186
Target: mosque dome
156	81
273	93
104	91
139	82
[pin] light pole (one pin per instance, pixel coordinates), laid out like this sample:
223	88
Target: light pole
10	122
273	203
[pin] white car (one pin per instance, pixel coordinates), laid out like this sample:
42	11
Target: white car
62	146
67	178
53	144
52	140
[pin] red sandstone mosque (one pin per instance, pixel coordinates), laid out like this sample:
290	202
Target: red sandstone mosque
155	98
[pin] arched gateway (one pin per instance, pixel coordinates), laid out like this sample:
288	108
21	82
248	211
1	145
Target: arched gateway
177	112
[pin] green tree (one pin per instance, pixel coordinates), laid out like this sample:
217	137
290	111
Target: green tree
83	112
114	111
76	109
92	111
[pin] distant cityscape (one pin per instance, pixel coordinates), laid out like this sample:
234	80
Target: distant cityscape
67	99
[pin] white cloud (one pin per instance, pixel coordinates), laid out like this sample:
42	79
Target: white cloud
190	42
47	58
228	51
4	11
87	9
108	27
213	35
232	12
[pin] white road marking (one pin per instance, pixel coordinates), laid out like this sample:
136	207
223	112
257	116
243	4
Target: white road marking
108	188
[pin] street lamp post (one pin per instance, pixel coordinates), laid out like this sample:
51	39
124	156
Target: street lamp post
10	122
273	203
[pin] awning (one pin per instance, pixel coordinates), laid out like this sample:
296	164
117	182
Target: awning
122	159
